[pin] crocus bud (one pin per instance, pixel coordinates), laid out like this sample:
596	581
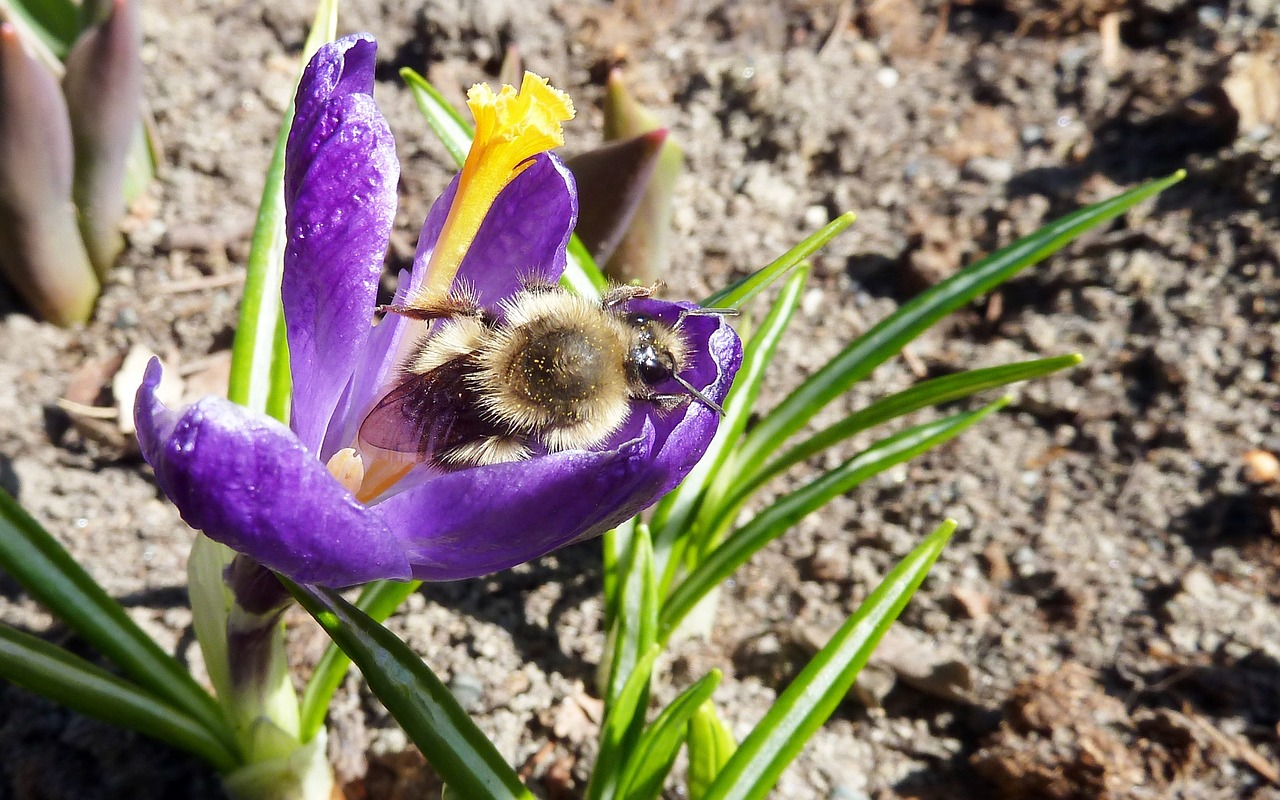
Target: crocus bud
644	254
612	182
41	253
103	87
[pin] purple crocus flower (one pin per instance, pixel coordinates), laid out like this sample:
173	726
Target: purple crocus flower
285	495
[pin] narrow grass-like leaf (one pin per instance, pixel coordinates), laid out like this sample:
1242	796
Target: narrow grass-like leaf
674	514
711	744
927	393
789	509
888	337
379	600
615	545
258	380
582	274
55	23
636	621
617	735
86	688
737	294
56	581
811	698
454	132
458	750
655	752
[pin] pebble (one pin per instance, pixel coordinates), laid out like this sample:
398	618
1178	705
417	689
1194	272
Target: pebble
125	318
467	688
887	77
1031	135
1209	16
815	217
990	170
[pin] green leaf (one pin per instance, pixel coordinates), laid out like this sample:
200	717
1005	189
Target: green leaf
636	621
260	376
880	343
54	23
927	393
711	744
740	292
458	750
53	578
453	131
673	516
582	274
811	698
617	735
789	509
655	752
615	544
140	166
379	600
83	687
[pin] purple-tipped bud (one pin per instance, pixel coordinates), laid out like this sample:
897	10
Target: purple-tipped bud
644	253
41	253
612	181
103	87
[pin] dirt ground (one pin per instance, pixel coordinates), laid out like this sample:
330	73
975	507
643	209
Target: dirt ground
1105	623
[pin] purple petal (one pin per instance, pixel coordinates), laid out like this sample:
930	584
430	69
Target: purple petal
340	192
483	520
470	523
526	232
338	69
249	483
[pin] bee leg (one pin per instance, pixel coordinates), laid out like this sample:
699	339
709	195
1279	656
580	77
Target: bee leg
664	402
621	294
440	308
538	284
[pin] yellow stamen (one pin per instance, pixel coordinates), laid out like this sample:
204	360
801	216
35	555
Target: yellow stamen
347	466
380	476
511	128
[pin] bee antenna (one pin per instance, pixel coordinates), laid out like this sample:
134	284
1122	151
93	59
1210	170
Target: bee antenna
688	387
704	312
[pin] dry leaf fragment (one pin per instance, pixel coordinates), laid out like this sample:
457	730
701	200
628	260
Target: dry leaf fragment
124	386
1253	88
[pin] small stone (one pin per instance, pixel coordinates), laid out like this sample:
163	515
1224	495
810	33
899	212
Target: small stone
987	169
125	318
887	77
815	217
975	605
1209	16
843	791
1031	135
831	562
467	688
1261	467
997	563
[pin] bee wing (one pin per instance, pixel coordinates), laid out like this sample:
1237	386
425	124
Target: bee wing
429	414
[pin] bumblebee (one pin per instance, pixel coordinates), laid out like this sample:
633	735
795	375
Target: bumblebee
553	371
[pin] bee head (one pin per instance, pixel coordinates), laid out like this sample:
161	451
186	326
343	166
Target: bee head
657	354
652	357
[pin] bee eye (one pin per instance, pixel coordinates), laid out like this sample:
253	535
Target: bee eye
652	366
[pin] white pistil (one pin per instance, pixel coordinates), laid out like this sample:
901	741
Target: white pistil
347	466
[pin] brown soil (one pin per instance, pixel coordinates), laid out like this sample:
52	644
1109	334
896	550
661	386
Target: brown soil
1111	593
